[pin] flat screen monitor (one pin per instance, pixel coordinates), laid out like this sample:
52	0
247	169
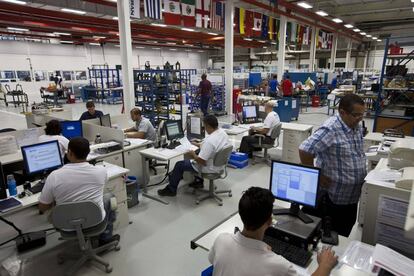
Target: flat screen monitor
174	130
195	127
296	184
71	129
42	157
106	120
249	111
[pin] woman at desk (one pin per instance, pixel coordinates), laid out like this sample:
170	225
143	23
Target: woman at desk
52	133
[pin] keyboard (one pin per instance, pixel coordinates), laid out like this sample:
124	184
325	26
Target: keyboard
173	145
37	188
292	253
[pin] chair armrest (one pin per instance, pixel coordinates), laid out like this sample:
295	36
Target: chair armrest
261	137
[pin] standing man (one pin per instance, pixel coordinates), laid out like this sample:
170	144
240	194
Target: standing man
272	119
287	86
143	128
92	113
204	91
334	82
273	86
338	148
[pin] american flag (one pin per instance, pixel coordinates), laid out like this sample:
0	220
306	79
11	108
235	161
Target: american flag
216	15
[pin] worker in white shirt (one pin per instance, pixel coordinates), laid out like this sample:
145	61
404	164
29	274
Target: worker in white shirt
203	162
245	253
143	128
53	132
79	181
271	120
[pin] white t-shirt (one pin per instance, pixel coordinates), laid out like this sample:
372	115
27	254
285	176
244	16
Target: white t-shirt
75	182
212	144
63	141
271	120
146	127
236	255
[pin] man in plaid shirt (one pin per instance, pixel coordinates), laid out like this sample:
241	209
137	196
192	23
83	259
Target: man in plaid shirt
338	148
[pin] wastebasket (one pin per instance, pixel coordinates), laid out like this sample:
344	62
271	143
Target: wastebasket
132	190
316	101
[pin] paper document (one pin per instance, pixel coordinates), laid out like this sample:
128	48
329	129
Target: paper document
185	145
358	255
385	177
136	141
293	103
7	145
391	261
27	137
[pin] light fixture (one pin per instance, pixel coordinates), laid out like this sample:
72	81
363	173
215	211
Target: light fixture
117	45
115	18
15	2
73	11
264	47
158	25
66	42
17	29
156	48
374	38
413	9
322	13
261	41
149	41
247	39
187	29
363	33
173	49
99	37
379	40
94	44
200	51
140	47
349	26
273	43
212	33
337	20
356	30
368	35
304	5
412	1
171	43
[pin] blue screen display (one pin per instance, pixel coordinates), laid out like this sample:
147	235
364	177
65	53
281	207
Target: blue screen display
71	129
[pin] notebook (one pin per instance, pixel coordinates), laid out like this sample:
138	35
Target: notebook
9	204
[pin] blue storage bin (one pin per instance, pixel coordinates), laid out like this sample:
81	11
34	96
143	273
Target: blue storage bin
239	160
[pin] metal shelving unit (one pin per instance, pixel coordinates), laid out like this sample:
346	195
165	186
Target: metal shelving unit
102	79
217	103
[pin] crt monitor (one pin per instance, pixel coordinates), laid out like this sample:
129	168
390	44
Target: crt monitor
296	184
41	158
105	120
71	129
195	128
174	130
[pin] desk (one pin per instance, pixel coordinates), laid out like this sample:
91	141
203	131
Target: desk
206	241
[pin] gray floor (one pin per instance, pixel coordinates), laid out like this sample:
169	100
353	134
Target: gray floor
157	243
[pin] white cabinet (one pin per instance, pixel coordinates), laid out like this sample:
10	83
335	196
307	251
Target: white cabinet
133	162
293	136
115	159
116	186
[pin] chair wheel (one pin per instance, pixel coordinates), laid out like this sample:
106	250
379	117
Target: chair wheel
197	202
220	204
117	248
108	269
230	194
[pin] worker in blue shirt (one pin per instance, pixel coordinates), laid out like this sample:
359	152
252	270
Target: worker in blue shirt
334	82
92	113
273	86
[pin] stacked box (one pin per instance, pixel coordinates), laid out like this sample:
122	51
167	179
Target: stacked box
239	160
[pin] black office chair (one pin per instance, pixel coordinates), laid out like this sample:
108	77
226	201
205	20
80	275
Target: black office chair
3	130
158	143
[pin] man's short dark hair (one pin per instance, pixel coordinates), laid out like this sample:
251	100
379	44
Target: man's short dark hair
211	121
80	147
348	101
53	128
255	207
204	76
275	76
136	111
90	104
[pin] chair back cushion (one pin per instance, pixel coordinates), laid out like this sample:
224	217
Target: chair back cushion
71	214
276	131
222	157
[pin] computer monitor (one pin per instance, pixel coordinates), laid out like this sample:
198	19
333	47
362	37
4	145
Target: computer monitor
195	128
3	186
296	184
249	113
71	129
174	130
41	158
105	120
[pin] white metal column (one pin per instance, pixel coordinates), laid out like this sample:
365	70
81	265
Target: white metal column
282	48
348	54
333	52
365	61
126	54
228	54
312	55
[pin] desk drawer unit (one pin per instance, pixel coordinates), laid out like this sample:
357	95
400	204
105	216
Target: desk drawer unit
115	159
291	142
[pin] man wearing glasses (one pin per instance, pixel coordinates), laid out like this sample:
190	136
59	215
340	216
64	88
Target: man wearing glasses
338	148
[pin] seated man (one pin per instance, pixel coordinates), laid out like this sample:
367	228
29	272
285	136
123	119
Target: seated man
143	128
78	181
91	113
272	119
203	162
245	253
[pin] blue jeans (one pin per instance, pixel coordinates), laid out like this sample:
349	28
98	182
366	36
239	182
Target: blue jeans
110	217
204	104
177	173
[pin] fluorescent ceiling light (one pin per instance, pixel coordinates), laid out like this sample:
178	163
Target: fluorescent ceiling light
369	35
171	43
363	33
413	8
349	26
187	29
149	41
356	30
73	11
95	44
261	41
116	45
212	33
374	38
66	42
173	49
140	47
158	25
156	48
248	39
99	37
58	33
304	5
379	40
189	45
15	2
115	18
322	13
264	47
412	1
337	20
274	43
17	29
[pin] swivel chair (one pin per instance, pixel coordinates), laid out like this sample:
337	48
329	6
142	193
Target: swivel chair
158	143
274	135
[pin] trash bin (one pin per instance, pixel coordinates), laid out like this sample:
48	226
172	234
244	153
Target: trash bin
132	190
316	101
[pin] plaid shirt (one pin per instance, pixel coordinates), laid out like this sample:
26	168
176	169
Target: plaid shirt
340	154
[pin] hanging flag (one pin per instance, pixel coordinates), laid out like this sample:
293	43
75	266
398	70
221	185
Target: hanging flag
202	13
277	29
134	9
330	40
188	13
271	28
319	39
257	24
152	9
306	36
216	15
249	23
172	14
288	31
293	32
236	23
300	35
242	13
265	26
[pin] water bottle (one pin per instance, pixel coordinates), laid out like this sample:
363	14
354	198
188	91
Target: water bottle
98	139
11	184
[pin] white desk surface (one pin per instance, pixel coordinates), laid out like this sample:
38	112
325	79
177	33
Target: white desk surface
378	137
163	154
206	241
235	130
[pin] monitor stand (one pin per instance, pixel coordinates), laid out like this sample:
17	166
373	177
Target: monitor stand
294	210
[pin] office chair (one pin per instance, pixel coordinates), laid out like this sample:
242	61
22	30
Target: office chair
3	130
221	159
275	137
81	221
158	144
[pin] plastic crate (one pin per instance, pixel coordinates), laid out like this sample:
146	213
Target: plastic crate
239	160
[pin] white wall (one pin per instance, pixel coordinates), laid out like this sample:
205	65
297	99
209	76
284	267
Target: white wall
50	57
376	58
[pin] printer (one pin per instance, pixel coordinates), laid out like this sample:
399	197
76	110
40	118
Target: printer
401	154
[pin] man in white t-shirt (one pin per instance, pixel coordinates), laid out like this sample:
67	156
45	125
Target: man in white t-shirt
271	120
143	128
245	253
53	132
204	161
78	181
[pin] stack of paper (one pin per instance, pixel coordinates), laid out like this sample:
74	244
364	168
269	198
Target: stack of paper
391	261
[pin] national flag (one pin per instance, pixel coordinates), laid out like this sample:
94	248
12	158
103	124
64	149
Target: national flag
188	13
288	31
306	36
216	15
172	14
330	40
134	9
265	26
242	15
236	23
319	39
152	9
293	32
300	34
202	13
271	28
277	29
249	23
257	24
